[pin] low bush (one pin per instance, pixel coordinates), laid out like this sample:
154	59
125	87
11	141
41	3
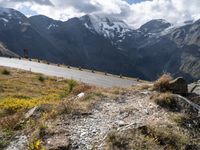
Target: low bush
12	105
165	100
147	137
162	84
5	72
71	85
41	78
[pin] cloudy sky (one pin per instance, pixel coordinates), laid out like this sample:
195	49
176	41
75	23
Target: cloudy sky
134	12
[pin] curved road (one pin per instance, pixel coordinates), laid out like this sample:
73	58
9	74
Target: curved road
97	79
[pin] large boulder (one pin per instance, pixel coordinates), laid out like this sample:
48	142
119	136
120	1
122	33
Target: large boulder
178	86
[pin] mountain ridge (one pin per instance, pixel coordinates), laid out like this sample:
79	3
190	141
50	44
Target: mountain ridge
108	44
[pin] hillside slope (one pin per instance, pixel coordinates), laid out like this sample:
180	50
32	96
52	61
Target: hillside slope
52	113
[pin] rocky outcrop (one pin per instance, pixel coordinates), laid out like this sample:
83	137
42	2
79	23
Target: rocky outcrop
195	87
178	86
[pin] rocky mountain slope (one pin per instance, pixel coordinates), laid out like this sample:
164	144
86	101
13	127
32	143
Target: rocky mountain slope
107	44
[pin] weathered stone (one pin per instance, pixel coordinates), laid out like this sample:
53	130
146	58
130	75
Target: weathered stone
58	142
30	113
178	86
36	112
19	143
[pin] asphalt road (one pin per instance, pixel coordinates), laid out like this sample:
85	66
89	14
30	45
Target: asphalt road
86	76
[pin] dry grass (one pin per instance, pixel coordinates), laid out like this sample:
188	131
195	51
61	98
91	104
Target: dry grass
147	138
142	86
165	100
21	91
82	88
162	84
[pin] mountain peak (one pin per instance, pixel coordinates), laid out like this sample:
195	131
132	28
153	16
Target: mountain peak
5	10
154	26
11	17
105	25
40	17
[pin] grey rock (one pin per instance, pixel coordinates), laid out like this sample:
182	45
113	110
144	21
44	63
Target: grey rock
178	86
58	142
19	143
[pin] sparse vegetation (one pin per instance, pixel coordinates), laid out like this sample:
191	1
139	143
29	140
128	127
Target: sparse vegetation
41	78
187	121
162	84
18	96
5	72
165	100
57	103
82	88
147	137
71	84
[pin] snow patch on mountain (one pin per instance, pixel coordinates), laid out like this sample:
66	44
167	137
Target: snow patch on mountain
52	25
109	27
5	20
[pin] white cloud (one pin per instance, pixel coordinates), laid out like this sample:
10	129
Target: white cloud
174	11
136	14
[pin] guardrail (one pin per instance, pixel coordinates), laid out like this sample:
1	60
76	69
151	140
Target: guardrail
78	68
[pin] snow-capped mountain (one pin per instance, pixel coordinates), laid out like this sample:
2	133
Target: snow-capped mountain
109	27
45	22
10	17
155	26
106	43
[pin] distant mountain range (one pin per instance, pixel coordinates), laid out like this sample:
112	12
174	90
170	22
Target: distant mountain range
106	44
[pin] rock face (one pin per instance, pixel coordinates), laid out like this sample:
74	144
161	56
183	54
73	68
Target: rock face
195	88
178	86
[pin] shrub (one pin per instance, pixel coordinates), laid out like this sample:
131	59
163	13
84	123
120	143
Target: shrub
162	84
81	88
71	84
165	100
166	136
12	105
42	131
9	122
5	72
41	78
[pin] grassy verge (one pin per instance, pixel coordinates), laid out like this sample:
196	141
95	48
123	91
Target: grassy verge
20	91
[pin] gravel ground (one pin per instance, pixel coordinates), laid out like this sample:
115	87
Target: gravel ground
133	109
